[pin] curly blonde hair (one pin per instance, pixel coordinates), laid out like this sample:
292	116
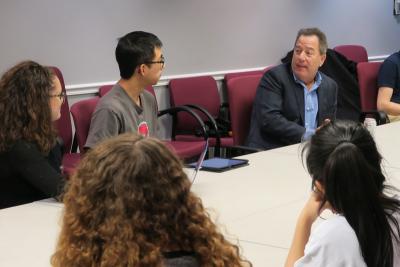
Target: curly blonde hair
128	202
24	106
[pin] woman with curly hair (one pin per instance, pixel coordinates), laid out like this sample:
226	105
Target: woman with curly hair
30	157
129	204
347	178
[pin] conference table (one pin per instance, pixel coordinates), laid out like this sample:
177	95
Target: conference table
255	206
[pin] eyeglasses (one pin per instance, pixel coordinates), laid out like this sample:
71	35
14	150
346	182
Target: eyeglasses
161	61
60	96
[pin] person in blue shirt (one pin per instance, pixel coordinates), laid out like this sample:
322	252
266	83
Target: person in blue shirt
293	100
389	87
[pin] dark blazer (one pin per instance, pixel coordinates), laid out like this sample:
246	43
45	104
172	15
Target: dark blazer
278	111
344	73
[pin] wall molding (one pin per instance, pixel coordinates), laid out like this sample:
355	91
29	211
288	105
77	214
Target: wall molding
378	58
92	88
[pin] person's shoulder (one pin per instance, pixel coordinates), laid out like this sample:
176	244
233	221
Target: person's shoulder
116	92
148	95
280	69
148	98
113	99
332	243
334	238
22	149
336	230
392	60
394	57
23	145
324	76
327	80
279	73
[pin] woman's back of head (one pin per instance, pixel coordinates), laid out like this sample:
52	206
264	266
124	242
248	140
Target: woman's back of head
343	136
130	197
342	156
24	106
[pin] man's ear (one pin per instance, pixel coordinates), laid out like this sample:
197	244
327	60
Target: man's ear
141	69
323	57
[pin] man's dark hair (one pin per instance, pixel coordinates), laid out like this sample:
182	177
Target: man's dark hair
323	43
134	49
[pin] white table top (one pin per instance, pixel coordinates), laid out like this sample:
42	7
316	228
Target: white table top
388	143
256	206
28	234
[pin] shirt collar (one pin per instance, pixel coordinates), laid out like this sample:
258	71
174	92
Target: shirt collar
317	81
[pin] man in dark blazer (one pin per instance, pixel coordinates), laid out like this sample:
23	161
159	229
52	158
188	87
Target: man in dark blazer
293	100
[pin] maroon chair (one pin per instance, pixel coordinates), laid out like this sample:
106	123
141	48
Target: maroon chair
230	76
64	128
241	93
201	94
82	115
233	75
367	73
356	53
184	149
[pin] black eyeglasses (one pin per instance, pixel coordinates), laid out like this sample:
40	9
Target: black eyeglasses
60	96
161	61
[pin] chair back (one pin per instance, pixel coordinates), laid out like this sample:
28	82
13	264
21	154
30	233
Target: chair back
367	73
63	124
356	53
201	91
82	115
230	76
241	93
104	89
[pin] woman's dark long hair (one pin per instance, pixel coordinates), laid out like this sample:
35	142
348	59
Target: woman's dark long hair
344	158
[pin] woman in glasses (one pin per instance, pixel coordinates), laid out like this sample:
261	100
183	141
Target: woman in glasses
30	157
347	178
129	204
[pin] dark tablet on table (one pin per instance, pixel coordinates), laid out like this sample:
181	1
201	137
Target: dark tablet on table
221	164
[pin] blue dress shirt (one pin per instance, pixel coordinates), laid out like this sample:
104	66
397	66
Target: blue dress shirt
310	106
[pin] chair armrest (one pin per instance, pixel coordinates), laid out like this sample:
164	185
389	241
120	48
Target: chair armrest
210	118
208	115
213	124
379	116
175	110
